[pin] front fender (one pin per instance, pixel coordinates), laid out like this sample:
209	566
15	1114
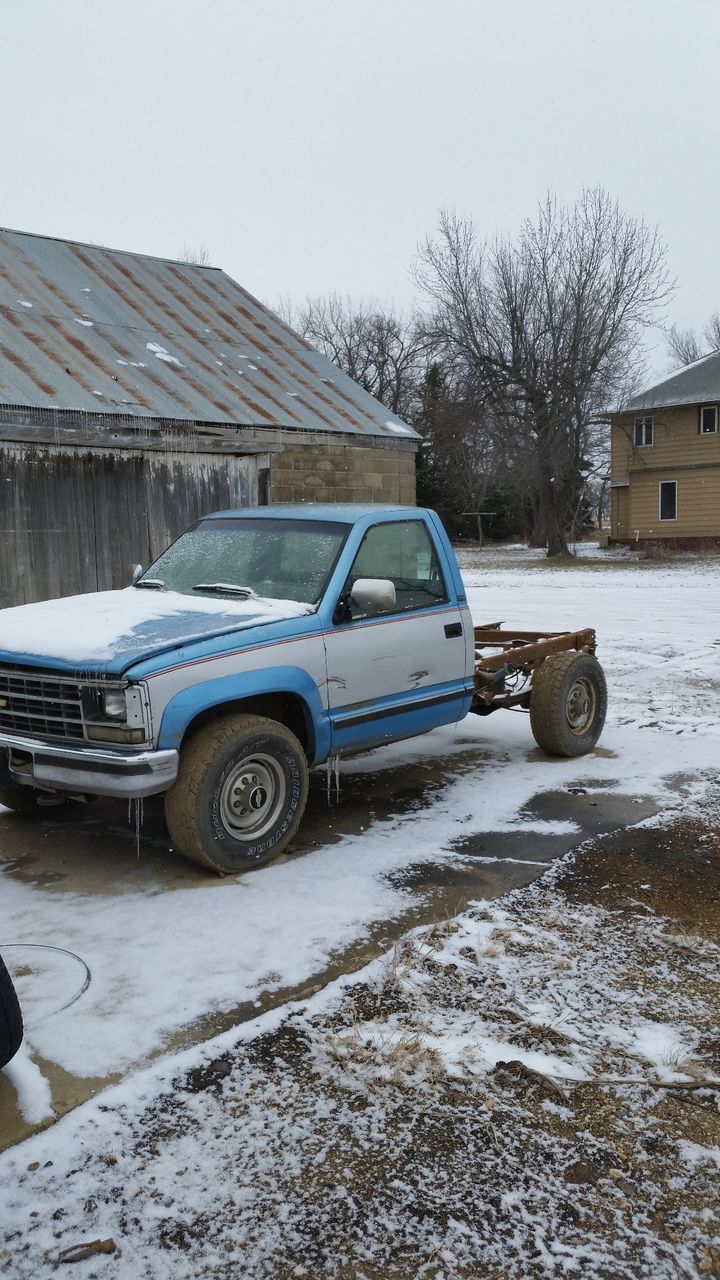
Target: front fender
191	702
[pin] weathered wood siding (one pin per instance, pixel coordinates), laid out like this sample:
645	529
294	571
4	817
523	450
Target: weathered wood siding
678	452
74	520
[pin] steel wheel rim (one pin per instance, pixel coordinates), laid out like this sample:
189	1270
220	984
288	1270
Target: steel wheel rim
581	706
252	797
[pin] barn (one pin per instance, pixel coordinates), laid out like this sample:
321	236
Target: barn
138	393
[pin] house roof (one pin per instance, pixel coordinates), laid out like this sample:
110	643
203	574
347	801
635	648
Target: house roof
100	330
697	383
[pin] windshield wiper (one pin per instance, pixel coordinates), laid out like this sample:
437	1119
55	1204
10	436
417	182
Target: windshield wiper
227	588
156	583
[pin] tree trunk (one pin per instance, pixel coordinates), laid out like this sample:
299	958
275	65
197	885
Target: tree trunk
538	534
550	520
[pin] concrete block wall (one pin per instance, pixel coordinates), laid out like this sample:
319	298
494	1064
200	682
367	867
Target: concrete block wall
328	471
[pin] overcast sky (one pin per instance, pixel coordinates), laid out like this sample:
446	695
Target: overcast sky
309	144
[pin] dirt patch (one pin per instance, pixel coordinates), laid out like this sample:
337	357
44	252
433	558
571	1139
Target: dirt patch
671	870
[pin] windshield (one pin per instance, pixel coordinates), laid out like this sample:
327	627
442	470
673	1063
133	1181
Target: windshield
277	559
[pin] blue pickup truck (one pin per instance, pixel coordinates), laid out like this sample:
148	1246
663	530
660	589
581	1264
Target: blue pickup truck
264	642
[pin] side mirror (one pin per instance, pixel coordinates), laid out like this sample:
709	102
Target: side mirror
373	595
137	573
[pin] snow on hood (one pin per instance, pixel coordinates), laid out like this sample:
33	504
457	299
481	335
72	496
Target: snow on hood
134	621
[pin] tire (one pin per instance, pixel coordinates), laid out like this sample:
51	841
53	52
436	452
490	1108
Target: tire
568	704
11	1023
239	795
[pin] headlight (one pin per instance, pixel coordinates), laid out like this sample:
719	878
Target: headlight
114	704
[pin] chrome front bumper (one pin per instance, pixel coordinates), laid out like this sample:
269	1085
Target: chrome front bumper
56	767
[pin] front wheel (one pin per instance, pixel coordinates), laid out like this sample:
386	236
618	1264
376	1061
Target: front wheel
239	795
568	704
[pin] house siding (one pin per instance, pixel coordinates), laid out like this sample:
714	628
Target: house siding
678	453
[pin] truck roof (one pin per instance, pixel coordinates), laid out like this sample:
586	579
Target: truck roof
342	512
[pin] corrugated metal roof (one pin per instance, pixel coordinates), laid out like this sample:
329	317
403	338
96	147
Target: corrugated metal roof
697	383
101	330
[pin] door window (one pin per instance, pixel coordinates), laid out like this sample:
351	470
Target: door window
403	553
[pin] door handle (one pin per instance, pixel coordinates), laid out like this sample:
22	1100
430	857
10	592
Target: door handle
453	629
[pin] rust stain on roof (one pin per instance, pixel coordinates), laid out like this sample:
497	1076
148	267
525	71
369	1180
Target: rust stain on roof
84	308
29	372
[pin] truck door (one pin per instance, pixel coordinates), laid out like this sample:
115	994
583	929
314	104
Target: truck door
404	671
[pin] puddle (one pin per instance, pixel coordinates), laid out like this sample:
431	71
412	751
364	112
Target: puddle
92	849
591	813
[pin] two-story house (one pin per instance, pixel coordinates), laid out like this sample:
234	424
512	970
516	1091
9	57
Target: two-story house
665	449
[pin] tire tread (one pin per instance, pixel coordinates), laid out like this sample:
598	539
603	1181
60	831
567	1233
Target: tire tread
198	753
547	717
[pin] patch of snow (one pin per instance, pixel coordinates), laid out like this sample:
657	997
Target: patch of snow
93	627
121	362
87	323
161	353
398	428
31	1088
24	303
696	1156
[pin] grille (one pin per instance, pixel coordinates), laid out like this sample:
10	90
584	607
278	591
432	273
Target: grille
40	706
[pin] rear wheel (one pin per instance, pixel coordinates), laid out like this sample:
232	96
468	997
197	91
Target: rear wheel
240	793
11	1023
568	704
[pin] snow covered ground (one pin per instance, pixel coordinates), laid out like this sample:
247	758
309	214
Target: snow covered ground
160	960
218	944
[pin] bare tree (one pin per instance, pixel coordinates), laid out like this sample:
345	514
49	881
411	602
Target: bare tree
199	257
546	329
686	346
378	347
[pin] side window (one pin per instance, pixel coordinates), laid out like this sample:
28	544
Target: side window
708	419
402	552
643	432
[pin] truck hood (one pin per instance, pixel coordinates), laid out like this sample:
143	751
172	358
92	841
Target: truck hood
111	630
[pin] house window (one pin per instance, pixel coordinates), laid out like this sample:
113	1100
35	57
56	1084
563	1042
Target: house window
643	431
708	419
668	499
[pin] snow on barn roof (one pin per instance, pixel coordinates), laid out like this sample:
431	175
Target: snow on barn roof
101	330
697	383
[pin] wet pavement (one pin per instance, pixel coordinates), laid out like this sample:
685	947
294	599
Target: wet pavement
93	849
